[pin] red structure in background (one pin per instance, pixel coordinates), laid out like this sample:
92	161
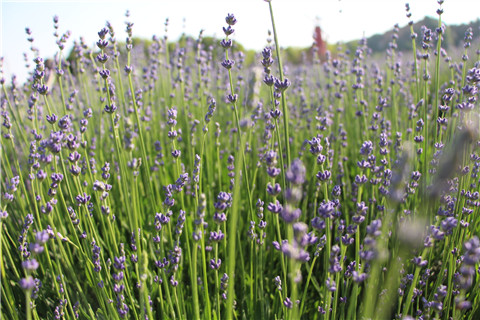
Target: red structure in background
320	44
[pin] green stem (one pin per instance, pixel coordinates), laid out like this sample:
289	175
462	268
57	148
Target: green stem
437	78
145	168
194	283
284	102
231	239
242	145
304	296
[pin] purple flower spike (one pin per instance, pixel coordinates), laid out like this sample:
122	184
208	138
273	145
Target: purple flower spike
367	148
273	172
43	89
273	190
102	44
27	283
358	278
30	265
289	214
228	30
318	223
215	265
110	108
276	245
232	98
3	215
324	176
52	118
230	19
219	217
105	74
331	285
103	33
282	85
228	64
326	209
274	207
226	43
296	173
473	75
42	237
288	303
269	80
102	58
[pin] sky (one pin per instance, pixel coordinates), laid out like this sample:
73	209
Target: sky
340	20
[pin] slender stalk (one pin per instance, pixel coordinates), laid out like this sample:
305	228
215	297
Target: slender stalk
231	238
27	304
304	295
242	146
437	75
145	168
284	102
196	308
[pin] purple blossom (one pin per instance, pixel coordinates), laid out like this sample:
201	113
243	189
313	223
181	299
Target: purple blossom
269	80
326	209
278	283
27	283
110	108
367	148
228	64
230	19
318	223
216	236
290	214
30	264
226	43
41	237
224	201
288	303
228	30
215	265
273	172
96	258
296	173
36	248
359	277
282	85
232	98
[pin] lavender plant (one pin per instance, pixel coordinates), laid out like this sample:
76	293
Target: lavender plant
365	175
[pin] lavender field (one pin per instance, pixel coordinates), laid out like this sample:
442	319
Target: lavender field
174	180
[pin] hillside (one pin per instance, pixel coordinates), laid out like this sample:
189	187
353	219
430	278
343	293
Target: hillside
453	37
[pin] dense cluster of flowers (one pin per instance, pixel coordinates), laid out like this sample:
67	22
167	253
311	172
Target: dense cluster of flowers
353	194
